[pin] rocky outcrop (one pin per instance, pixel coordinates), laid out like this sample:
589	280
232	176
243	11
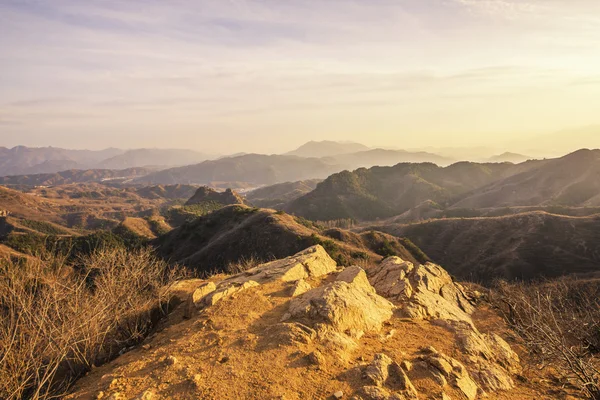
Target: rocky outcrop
428	292
312	262
304	317
349	305
424	291
205	194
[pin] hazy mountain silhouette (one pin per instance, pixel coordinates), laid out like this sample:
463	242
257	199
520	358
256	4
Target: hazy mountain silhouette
327	148
153	157
256	169
276	196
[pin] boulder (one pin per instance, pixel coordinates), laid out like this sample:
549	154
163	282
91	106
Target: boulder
378	371
453	372
383	371
350	308
312	262
424	291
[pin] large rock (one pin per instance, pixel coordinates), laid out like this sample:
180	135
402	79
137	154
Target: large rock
384	371
492	360
349	305
452	371
424	291
312	262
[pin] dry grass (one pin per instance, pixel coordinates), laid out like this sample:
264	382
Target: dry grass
559	322
56	322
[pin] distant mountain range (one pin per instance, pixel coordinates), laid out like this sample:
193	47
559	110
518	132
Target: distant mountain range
22	160
259	169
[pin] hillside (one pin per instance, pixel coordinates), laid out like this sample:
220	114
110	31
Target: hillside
207	195
382	192
305	328
240	234
326	149
23	205
275	196
572	180
255	169
90	206
74	176
524	246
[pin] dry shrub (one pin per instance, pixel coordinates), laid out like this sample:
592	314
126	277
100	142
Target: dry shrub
56	322
559	322
244	264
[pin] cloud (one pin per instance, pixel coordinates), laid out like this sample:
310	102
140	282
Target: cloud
262	65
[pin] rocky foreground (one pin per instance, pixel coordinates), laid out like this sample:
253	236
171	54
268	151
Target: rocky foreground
303	328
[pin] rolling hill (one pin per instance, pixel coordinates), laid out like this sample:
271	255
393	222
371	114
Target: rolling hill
238	234
524	246
383	192
572	180
74	176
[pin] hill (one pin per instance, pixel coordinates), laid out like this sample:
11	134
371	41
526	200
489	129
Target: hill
22	205
240	234
89	207
74	176
205	194
383	192
524	246
572	180
255	169
326	149
153	157
276	196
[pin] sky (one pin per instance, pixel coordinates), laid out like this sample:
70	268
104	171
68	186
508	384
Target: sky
227	76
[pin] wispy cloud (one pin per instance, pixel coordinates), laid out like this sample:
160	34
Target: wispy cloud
72	69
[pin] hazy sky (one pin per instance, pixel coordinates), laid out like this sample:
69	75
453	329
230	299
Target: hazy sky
268	75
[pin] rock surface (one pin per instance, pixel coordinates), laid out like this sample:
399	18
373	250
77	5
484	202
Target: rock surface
312	262
425	291
349	305
303	328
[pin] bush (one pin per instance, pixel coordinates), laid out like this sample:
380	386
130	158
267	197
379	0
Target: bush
559	322
57	322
